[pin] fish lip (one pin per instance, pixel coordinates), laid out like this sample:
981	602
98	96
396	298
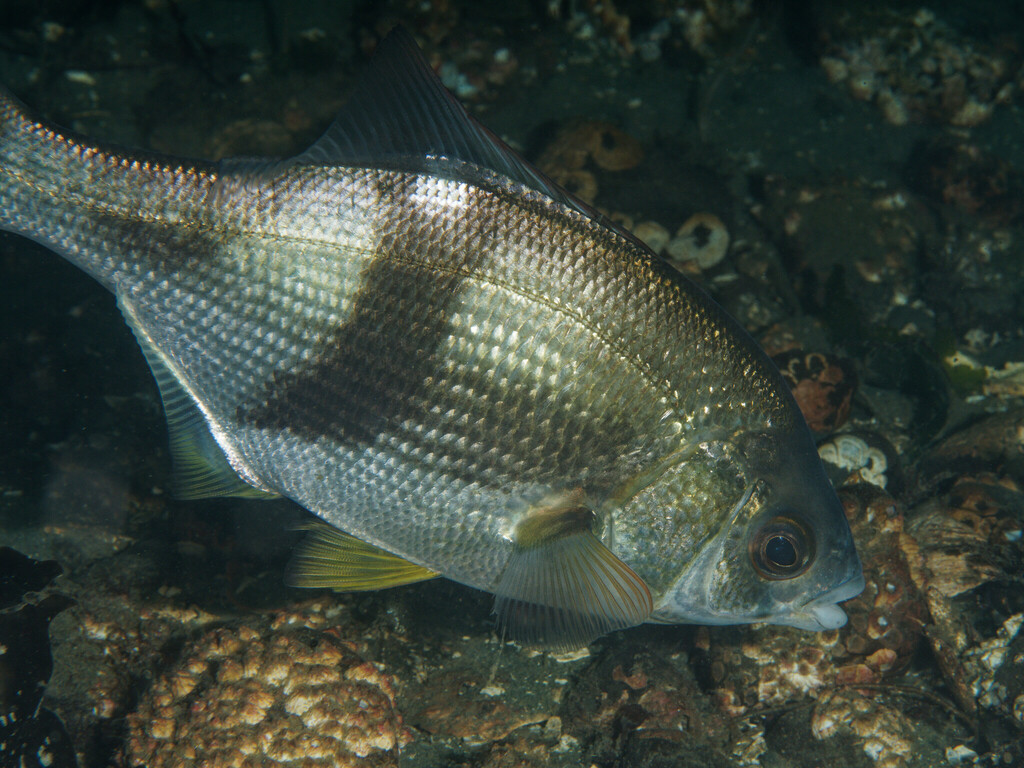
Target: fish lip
848	589
823	613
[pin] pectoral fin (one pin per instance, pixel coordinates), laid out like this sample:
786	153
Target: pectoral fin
563	587
332	559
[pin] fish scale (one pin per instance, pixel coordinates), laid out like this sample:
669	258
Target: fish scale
463	386
440	353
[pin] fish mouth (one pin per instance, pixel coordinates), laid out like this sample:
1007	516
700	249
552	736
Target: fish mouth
824	613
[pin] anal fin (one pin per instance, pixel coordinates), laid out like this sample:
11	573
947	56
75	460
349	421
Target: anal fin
332	559
563	587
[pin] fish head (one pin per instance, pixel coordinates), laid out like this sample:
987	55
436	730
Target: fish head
783	554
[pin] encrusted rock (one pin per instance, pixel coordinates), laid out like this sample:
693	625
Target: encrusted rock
822	384
971	535
271	693
883	732
969	179
770	666
853	249
915	66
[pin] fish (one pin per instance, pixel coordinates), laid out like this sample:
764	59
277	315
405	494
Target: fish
460	369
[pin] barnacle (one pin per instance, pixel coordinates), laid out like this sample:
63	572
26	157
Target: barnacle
583	147
702	239
849	452
653	234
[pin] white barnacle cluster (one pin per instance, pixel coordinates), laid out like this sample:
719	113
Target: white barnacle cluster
864	462
883	734
984	661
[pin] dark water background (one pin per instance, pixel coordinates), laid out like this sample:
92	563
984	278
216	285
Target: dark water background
737	116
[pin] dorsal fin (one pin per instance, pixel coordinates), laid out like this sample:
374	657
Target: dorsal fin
400	115
400	111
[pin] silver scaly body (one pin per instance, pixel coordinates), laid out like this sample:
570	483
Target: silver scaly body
422	358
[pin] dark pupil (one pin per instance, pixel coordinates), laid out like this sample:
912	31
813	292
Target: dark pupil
780	551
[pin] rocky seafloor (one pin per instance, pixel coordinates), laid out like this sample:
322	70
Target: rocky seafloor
844	178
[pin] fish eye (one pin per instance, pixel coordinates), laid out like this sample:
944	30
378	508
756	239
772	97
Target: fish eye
782	548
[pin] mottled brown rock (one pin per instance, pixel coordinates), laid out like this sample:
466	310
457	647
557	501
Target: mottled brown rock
965	177
891	612
267	693
915	66
823	385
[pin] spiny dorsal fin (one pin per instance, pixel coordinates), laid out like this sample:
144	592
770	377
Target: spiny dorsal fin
201	470
401	111
401	115
332	559
563	587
